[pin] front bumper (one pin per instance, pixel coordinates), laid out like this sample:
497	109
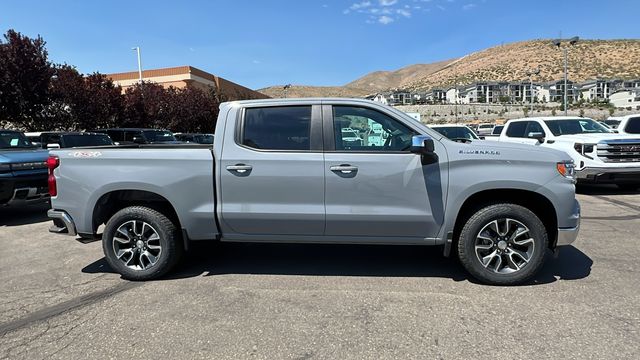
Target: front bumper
567	235
17	190
62	223
608	175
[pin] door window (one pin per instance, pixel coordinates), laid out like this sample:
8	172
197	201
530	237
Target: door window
534	127
517	129
277	128
362	129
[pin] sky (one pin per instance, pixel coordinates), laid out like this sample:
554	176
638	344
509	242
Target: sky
304	42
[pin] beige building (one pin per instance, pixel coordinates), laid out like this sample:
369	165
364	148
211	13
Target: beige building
184	76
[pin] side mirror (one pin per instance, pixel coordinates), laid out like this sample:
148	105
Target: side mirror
536	135
423	145
53	146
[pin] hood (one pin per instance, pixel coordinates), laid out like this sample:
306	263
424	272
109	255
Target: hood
22	156
514	151
595	138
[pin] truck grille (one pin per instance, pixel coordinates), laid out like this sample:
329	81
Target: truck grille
619	151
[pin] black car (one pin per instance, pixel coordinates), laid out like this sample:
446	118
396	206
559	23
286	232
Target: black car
195	138
124	136
54	140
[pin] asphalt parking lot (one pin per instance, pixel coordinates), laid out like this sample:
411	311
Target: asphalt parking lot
60	300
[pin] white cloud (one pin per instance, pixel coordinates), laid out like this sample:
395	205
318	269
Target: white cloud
384	20
360	5
388	2
469	6
404	12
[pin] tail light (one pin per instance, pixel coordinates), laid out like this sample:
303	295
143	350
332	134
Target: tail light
52	163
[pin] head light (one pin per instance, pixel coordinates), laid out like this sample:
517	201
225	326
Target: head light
583	148
566	169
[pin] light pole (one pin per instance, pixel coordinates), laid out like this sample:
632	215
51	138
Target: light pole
530	74
285	88
565	50
137	49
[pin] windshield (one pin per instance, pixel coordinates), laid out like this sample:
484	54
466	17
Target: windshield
575	126
456	132
14	140
158	135
86	140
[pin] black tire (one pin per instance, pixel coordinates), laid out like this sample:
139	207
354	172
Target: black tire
479	221
171	249
628	187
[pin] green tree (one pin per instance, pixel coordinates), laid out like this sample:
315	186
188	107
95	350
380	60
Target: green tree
25	76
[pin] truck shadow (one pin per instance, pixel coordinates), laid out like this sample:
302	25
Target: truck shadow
346	260
23	215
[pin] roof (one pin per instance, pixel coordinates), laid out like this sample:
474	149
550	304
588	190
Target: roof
545	118
177	70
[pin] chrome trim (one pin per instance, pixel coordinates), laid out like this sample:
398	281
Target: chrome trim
69	227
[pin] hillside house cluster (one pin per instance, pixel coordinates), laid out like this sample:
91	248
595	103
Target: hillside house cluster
620	93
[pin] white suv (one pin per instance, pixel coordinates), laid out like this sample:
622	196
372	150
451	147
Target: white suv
600	156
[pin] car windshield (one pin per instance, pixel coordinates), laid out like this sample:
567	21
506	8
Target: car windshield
456	132
14	140
575	126
158	135
86	140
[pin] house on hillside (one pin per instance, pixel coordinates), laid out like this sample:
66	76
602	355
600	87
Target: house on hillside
624	98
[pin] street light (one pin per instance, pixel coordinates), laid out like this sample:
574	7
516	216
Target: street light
557	43
530	74
137	49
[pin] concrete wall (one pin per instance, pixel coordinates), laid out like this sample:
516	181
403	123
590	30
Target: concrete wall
494	112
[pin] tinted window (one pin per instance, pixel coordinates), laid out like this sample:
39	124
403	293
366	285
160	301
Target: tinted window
456	132
534	127
86	140
575	126
498	129
158	135
633	126
13	139
277	128
517	129
116	135
129	135
362	129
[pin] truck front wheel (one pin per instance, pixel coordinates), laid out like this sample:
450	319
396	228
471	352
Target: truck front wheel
141	243
503	244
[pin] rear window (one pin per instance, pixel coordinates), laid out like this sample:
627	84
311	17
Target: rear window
277	128
633	126
86	140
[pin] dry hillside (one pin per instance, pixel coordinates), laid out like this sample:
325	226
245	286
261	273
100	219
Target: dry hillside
301	91
588	59
383	80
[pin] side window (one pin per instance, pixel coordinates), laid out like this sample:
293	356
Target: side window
633	126
116	135
362	129
517	129
534	127
129	135
277	128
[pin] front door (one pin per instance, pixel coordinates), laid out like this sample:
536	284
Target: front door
272	172
374	186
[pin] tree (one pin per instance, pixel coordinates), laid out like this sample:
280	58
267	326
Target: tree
25	75
143	106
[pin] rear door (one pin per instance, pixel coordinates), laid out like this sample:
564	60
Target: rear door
518	132
272	172
376	188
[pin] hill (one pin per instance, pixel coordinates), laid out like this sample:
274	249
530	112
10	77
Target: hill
588	59
313	91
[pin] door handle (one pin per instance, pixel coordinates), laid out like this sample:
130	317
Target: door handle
344	168
239	168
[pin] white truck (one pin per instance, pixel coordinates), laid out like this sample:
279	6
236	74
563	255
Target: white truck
600	156
629	124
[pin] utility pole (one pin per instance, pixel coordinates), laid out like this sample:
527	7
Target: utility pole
285	88
530	73
137	49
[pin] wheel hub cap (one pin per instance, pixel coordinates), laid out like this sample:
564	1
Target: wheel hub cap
502	244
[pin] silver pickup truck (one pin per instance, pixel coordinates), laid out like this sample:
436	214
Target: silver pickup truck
281	171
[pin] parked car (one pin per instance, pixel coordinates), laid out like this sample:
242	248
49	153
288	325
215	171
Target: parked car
280	171
600	156
629	124
612	122
55	140
460	133
23	170
195	138
124	136
485	129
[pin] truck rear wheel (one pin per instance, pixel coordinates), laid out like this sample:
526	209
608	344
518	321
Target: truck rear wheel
141	243
503	244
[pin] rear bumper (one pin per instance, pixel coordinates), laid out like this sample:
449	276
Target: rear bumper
23	190
608	175
62	223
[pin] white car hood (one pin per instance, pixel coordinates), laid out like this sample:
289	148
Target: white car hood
595	138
